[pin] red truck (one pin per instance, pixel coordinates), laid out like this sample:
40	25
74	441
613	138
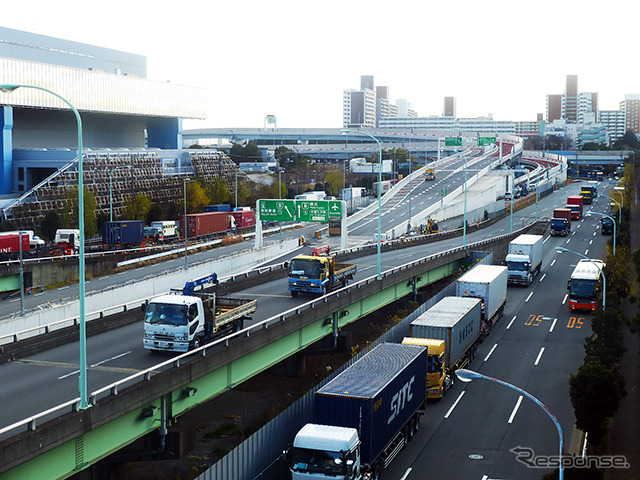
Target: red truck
575	203
561	222
208	223
244	218
10	245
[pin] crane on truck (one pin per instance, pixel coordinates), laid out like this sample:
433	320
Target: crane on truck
185	319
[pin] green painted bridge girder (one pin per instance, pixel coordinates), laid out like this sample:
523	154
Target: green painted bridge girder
95	444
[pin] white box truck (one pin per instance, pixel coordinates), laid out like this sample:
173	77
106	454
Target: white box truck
489	284
524	259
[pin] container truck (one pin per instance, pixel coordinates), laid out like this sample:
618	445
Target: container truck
561	222
10	245
363	417
489	284
430	174
524	259
127	233
244	218
169	228
575	202
586	192
318	274
437	330
224	207
201	224
185	319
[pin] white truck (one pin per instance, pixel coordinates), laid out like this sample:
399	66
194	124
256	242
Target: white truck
489	284
524	259
185	319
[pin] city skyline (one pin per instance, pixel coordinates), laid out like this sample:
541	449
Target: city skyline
255	60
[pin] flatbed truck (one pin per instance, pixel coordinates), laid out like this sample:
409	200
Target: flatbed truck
319	274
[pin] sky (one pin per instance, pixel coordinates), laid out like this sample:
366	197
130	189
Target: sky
293	59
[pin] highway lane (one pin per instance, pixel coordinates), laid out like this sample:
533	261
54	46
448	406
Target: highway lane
115	354
538	343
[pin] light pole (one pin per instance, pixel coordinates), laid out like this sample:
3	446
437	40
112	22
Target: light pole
8	88
237	171
620	190
614	227
513	184
359	132
111	189
467	375
186	230
279	184
604	280
619	207
464	220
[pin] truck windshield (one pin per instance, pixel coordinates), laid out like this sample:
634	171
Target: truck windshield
521	266
434	363
583	288
558	223
167	314
317	461
305	268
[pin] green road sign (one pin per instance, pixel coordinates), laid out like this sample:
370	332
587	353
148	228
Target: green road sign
312	210
443	192
335	209
453	141
277	210
484	141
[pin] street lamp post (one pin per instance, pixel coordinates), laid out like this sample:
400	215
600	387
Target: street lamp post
186	230
111	189
620	190
513	184
8	88
464	220
468	375
604	280
356	132
614	227
619	207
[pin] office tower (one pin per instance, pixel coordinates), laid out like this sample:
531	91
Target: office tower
631	107
554	107
449	107
366	82
570	99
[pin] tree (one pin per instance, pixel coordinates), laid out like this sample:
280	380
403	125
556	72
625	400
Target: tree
155	213
50	223
69	218
244	194
595	393
218	192
628	140
236	153
334	182
252	153
138	207
197	199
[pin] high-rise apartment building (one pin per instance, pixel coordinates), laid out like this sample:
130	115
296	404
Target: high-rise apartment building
554	107
449	107
631	108
570	99
613	120
404	108
359	109
587	104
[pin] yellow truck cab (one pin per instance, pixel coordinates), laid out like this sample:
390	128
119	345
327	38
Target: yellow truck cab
318	274
437	379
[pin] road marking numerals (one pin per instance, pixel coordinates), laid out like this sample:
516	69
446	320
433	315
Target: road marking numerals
575	322
534	320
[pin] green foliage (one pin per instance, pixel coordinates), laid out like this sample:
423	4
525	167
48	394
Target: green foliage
218	192
69	219
334	182
595	393
154	214
197	199
628	140
138	207
50	223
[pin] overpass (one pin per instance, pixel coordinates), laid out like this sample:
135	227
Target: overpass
151	399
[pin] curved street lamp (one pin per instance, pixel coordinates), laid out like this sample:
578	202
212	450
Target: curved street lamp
359	132
618	204
614	227
8	88
513	184
604	280
468	375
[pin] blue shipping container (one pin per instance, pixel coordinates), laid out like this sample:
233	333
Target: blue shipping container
127	232
377	395
224	207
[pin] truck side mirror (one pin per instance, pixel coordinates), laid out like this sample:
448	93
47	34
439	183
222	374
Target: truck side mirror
285	265
569	285
349	467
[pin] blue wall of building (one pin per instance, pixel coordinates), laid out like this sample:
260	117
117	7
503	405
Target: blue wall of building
164	133
6	148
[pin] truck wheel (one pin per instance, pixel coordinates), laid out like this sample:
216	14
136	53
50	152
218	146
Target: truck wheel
406	435
196	343
530	279
413	429
294	293
376	472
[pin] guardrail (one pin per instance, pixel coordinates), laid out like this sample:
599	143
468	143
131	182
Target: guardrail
175	362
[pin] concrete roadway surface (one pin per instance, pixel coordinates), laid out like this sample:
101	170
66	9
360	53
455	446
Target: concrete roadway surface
116	354
470	432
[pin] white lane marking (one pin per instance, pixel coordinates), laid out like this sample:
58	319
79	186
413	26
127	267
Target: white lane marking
454	405
490	352
553	325
542	278
594	234
485	477
121	273
568	240
515	409
565	298
545	240
539	356
586	251
553	263
406	474
573	233
63	288
95	364
578	226
529	297
511	322
590	242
